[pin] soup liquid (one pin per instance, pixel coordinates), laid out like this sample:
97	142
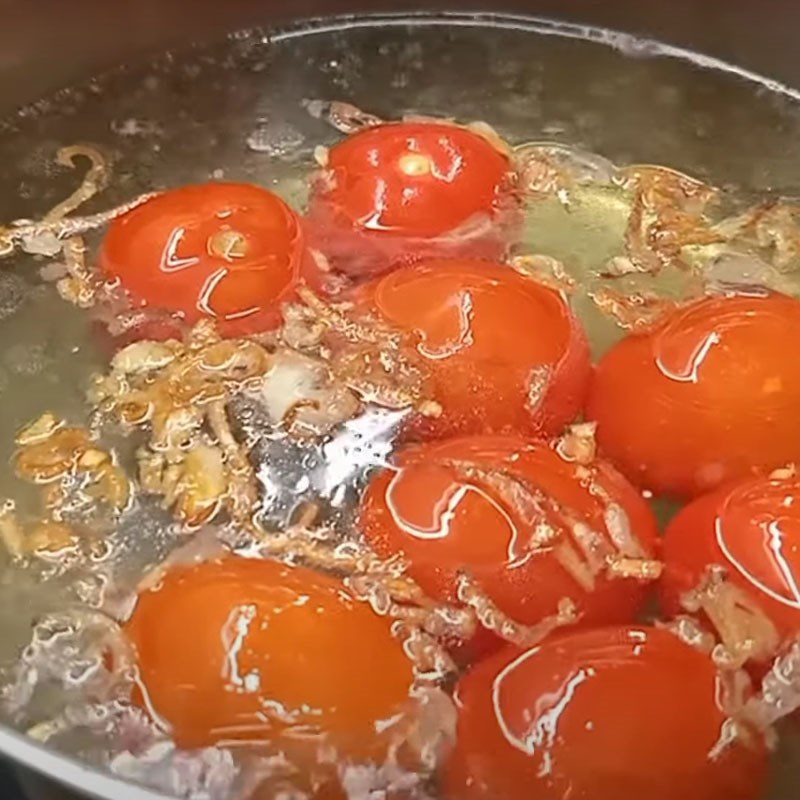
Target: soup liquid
233	111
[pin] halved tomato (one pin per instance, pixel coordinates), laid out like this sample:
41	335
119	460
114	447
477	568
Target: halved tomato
232	252
407	190
528	527
248	650
750	528
710	394
502	352
621	713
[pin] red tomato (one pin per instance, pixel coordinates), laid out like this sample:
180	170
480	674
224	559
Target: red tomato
416	189
616	713
504	352
708	395
477	504
752	528
230	251
242	649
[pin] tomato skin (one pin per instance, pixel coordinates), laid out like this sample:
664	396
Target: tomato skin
220	643
408	190
752	529
705	397
443	523
484	333
618	713
171	252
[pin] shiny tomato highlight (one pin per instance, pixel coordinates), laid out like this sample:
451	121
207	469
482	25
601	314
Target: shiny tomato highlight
229	251
503	352
249	650
752	529
412	189
477	505
710	394
619	713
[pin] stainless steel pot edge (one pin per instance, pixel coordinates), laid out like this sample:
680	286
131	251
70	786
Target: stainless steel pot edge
69	772
628	44
96	783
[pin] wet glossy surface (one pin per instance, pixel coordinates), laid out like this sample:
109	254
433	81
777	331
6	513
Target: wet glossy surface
229	252
415	179
400	192
610	713
752	529
503	352
251	650
495	508
707	396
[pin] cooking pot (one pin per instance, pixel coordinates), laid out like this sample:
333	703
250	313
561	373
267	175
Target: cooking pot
48	44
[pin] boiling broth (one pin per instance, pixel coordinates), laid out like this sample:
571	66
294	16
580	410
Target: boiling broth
232	110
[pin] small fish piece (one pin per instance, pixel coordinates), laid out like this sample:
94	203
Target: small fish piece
667	215
345	117
578	443
744	630
14	234
633	311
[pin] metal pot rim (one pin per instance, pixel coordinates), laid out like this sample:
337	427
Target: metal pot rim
68	771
